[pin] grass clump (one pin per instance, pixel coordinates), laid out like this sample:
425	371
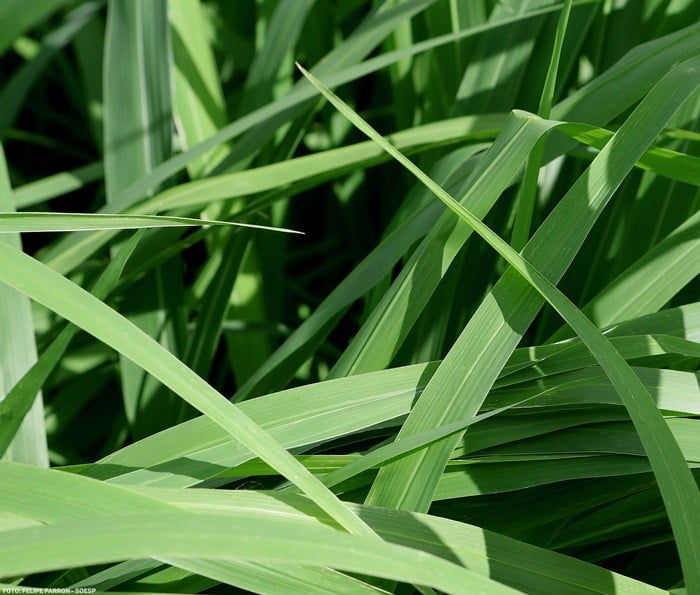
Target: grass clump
497	396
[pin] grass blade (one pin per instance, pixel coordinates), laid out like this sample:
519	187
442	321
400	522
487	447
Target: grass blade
18	350
45	222
528	188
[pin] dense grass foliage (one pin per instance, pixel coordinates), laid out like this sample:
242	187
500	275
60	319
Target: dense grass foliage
418	313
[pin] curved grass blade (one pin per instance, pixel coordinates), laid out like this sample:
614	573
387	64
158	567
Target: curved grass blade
259	539
278	579
571	356
56	185
664	162
44	222
519	565
56	497
25	493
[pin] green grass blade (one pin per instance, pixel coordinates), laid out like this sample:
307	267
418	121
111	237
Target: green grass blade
654	279
497	65
23	494
200	109
137	92
572	356
664	162
45	222
528	188
137	137
280	38
202	345
18	349
279	579
673	391
650	282
516	564
56	185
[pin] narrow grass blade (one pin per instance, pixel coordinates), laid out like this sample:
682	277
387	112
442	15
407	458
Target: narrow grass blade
664	162
528	188
514	563
200	109
267	540
497	65
56	185
673	391
572	356
202	345
45	222
281	36
23	493
137	137
18	349
278	579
